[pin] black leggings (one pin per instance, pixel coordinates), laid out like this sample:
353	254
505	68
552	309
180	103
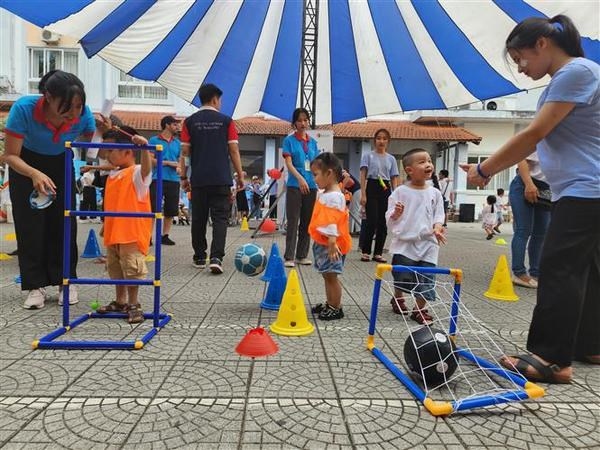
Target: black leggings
377	203
40	231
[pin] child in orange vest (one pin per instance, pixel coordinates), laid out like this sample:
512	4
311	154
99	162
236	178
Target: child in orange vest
127	239
329	230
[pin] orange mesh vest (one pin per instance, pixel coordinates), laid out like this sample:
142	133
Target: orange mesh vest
324	215
121	196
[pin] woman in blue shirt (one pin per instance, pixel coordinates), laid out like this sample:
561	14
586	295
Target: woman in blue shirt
299	149
36	130
565	322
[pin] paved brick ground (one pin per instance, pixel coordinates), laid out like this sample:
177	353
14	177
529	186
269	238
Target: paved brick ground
189	389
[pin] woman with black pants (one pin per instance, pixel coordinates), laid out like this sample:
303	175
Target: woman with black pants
378	178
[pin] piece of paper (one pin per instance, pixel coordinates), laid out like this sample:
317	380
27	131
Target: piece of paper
106	110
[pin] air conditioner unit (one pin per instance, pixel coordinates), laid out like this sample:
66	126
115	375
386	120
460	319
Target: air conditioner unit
50	37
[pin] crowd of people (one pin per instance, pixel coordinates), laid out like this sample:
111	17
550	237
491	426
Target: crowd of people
324	202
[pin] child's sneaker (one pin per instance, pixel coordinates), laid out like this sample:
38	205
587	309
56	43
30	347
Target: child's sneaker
328	312
421	316
318	308
398	306
35	299
73	296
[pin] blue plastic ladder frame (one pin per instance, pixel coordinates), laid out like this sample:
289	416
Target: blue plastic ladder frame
159	320
440	408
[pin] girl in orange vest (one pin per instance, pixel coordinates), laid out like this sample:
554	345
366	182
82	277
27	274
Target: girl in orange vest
329	230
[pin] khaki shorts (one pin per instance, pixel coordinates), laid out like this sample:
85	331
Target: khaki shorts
125	262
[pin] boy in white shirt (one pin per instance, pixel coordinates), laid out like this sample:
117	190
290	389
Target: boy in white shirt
415	218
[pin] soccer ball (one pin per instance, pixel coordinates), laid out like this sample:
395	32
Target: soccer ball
431	356
250	259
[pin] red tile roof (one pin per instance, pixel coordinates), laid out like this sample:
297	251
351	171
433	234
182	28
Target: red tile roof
353	130
149	122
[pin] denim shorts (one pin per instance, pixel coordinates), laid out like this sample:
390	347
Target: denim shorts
322	262
414	282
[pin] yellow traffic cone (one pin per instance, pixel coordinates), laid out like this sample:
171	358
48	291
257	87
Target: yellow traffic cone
500	241
291	318
5	257
501	287
10	237
150	258
244	226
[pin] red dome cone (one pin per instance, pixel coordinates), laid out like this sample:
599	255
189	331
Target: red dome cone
268	226
257	342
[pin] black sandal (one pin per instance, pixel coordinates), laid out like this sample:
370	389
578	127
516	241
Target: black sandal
546	373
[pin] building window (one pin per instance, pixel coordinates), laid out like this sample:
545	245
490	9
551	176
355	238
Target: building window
500	180
42	60
133	89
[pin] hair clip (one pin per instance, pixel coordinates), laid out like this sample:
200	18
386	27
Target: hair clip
558	27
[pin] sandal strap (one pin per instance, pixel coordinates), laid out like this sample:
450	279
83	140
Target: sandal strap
546	371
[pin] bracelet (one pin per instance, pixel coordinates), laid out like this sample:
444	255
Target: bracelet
480	172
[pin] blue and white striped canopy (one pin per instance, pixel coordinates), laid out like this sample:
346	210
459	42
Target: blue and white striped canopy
373	56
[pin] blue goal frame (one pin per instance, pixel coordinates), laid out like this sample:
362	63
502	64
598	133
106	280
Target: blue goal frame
440	408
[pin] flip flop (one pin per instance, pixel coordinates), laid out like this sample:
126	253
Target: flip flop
546	373
365	258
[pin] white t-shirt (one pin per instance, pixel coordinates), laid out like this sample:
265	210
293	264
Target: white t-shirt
335	200
535	171
412	234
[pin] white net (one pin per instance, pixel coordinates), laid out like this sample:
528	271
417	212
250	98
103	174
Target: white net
439	363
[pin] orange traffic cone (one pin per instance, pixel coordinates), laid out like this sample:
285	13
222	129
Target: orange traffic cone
257	342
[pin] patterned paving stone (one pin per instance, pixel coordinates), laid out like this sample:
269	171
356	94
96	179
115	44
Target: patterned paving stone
394	423
214	343
29	377
296	379
189	389
15	412
367	380
579	423
510	425
188	423
125	378
83	423
295	423
206	379
168	344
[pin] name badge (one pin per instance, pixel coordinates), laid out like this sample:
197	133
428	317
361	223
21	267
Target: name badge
307	165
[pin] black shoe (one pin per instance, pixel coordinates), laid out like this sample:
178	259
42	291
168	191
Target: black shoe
199	263
166	241
331	313
318	308
215	266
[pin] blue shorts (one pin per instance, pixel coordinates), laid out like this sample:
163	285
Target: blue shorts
413	282
322	262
